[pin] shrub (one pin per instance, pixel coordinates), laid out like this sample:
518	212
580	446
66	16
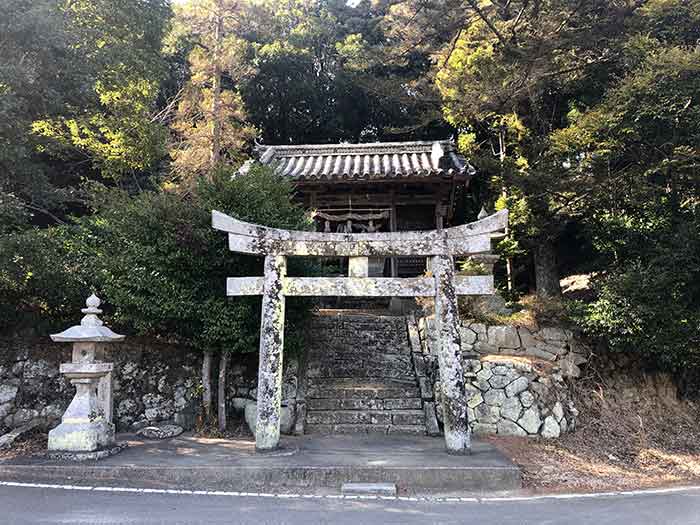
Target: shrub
651	303
155	259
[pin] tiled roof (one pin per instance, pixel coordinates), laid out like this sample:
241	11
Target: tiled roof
376	160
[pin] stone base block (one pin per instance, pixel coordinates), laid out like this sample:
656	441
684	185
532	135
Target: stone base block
81	437
88	456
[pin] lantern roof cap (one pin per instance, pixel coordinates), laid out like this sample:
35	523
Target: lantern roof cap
91	328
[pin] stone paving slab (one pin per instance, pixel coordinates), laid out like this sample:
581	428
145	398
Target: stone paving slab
416	464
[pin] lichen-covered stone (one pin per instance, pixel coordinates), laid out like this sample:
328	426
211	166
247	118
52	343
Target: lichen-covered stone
158	408
517	386
484	374
503	336
530	421
554	333
487	414
500	370
5	410
238	404
475	400
558	411
8	439
468	336
480	330
141	367
495	397
527	399
51	414
8	393
568	366
511	409
160	432
457	432
267	428
23	416
430	417
551	428
542	354
509	428
499	381
286	418
482	429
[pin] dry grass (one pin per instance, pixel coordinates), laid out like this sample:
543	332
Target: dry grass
236	428
532	312
632	432
32	444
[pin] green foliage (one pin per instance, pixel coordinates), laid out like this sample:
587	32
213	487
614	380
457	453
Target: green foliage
581	117
300	89
649	305
121	41
636	154
156	259
78	83
471	267
42	279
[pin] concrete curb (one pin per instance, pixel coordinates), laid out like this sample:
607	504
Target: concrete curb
425	479
477	499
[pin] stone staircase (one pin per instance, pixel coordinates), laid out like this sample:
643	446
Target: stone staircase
360	377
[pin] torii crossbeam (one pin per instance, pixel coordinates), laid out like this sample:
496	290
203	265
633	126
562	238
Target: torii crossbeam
440	245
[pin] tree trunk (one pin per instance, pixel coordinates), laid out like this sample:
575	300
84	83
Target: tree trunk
223	366
504	193
215	151
206	385
546	271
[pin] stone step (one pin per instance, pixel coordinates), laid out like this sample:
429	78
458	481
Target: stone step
362	391
364	404
365	429
325	354
369	324
365	417
365	382
359	370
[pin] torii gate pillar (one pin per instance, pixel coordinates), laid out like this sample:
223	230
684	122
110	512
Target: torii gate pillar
454	398
267	428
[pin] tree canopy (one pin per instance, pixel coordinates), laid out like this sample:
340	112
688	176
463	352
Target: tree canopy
581	116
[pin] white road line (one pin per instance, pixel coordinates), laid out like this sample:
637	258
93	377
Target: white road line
427	499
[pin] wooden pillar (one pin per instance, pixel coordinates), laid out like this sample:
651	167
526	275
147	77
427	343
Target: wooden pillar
454	399
267	428
358	267
439	217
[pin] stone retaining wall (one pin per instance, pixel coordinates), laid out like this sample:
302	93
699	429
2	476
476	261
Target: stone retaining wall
516	377
153	382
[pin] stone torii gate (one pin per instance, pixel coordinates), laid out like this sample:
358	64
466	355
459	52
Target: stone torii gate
440	245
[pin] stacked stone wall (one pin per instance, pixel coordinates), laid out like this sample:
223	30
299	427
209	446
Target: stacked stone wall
153	382
516	378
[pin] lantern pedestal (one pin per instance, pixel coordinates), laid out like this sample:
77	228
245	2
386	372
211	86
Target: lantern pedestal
84	427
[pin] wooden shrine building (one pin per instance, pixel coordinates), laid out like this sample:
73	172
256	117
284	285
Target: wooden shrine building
374	187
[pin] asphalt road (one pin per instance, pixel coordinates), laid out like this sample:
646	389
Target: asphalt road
25	505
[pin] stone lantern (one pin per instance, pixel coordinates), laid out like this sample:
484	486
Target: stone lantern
86	426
